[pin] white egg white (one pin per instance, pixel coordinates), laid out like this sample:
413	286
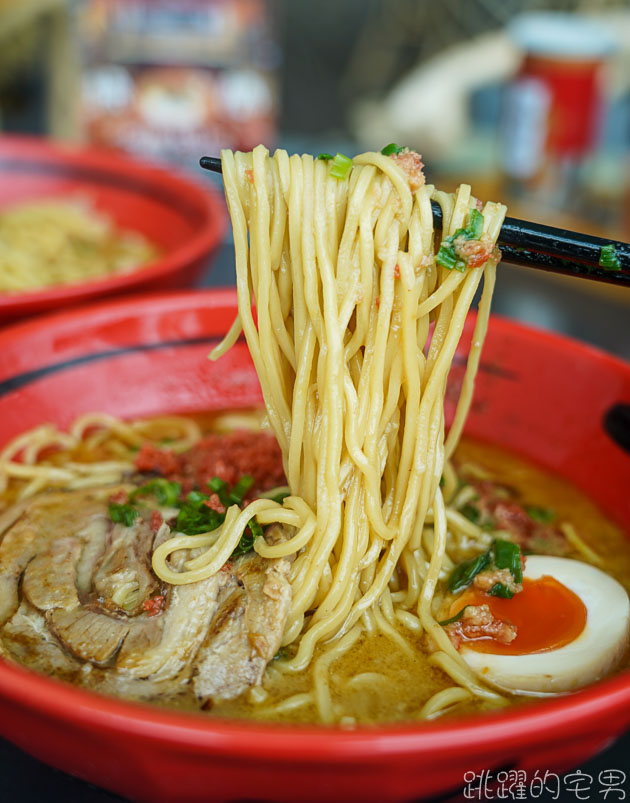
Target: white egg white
589	657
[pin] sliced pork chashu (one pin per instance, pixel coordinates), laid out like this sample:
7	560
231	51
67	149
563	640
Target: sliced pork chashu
35	525
73	588
28	639
124	573
188	615
246	631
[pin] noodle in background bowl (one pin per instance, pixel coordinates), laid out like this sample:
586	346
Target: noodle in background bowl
540	395
183	219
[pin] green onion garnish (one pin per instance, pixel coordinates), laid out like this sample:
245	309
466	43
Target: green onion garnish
388	150
220	488
455	618
543	515
195	513
239	491
502	554
166	492
122	514
508	556
324	157
340	167
447	257
475	225
465	573
500	590
246	544
196	517
608	258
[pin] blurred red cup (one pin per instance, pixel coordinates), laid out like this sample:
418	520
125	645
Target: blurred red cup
553	107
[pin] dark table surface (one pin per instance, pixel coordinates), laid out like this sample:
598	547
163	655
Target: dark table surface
599	319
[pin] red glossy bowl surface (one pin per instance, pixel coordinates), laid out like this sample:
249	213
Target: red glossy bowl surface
538	394
184	219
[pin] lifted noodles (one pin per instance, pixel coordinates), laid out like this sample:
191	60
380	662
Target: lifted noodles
355	328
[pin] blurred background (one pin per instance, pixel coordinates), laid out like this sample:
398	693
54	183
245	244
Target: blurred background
527	101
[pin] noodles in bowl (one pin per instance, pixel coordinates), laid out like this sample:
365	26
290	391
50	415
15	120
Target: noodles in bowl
63	241
356	326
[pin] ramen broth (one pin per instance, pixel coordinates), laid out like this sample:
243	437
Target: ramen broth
382	677
355	678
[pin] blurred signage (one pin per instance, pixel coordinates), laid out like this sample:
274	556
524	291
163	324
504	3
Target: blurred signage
172	79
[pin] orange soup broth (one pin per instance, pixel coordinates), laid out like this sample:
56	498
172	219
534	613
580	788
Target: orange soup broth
407	679
411	679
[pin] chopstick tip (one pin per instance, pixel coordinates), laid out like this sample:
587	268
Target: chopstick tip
210	163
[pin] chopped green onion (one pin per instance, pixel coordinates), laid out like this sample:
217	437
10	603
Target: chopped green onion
507	555
246	544
196	517
465	573
216	484
196	498
220	488
239	491
455	618
280	497
122	514
608	258
325	156
254	526
475	225
340	167
543	515
503	554
447	256
166	492
500	590
388	150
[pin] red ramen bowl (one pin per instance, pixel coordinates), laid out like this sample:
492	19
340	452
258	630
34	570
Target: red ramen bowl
185	220
537	394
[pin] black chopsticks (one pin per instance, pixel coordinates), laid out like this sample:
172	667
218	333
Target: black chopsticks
544	247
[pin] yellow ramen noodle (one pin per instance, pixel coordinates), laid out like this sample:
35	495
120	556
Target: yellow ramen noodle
57	242
355	329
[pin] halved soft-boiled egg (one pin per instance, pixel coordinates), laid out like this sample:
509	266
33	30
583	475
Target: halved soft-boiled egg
572	622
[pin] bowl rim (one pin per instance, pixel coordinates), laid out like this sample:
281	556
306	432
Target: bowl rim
309	744
512	727
213	297
204	199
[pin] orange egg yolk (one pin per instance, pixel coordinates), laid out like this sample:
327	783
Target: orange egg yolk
546	613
